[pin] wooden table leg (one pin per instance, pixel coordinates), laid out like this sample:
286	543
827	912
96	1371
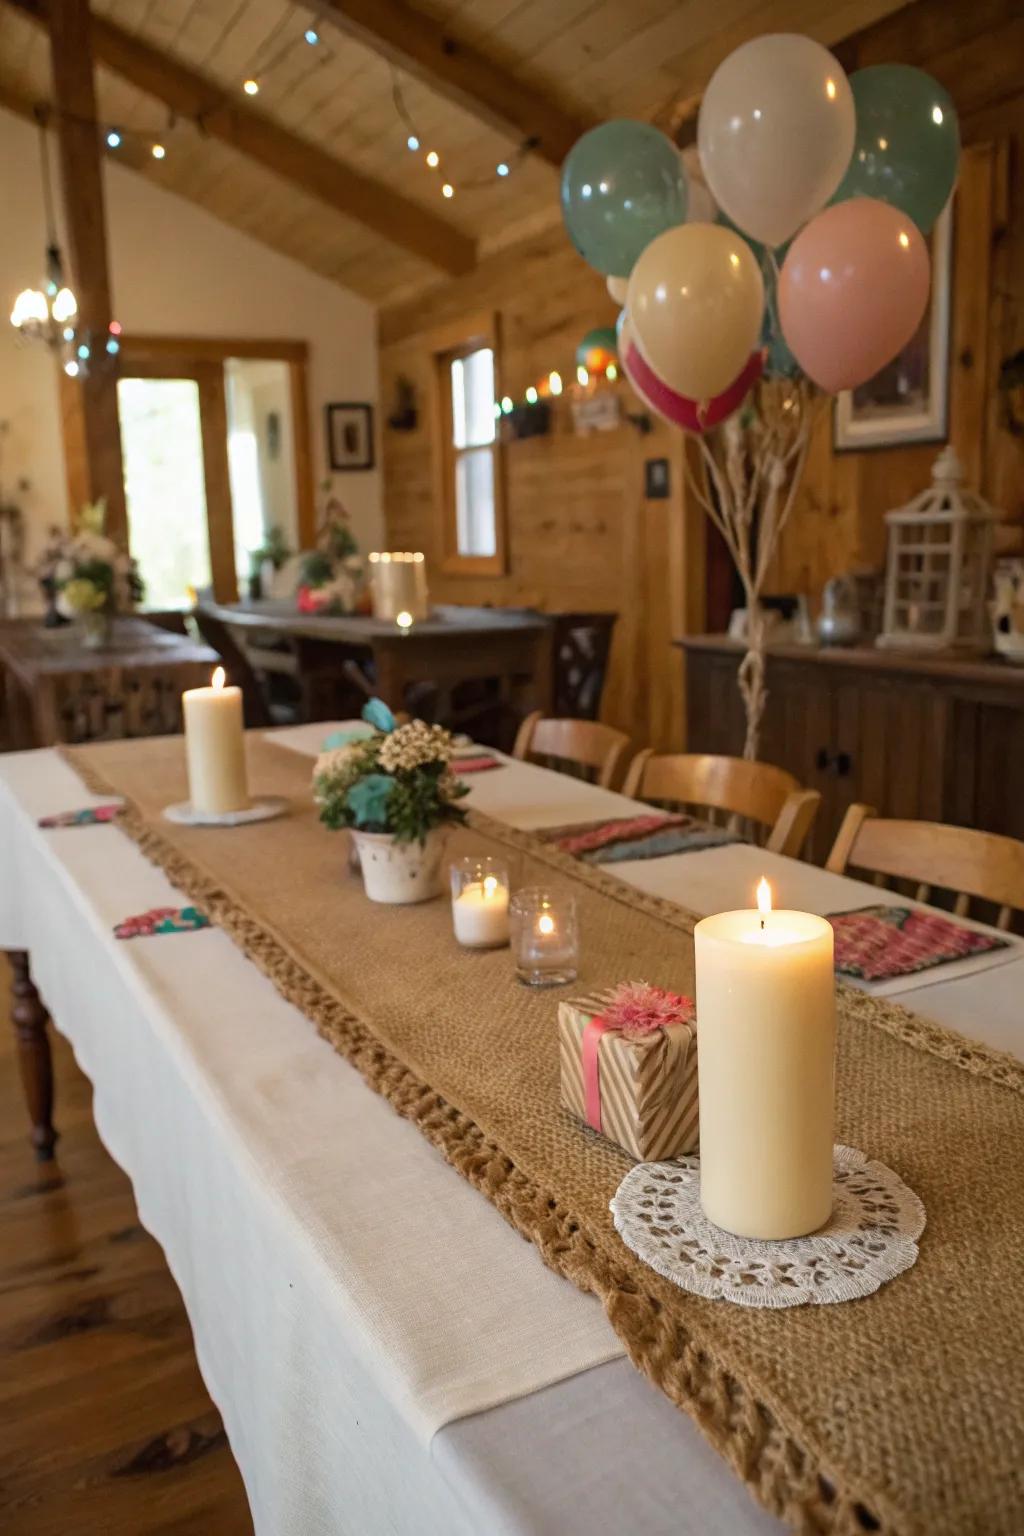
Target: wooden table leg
30	1019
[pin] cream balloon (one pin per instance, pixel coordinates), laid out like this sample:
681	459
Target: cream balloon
775	133
617	288
696	301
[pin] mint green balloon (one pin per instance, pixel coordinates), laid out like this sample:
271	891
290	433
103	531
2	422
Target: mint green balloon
623	183
907	148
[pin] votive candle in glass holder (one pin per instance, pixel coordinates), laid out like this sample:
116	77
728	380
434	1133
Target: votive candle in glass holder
480	888
545	941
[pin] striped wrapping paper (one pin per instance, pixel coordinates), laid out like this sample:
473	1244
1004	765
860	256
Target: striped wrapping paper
648	1083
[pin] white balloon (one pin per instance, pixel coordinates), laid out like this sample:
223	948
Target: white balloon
775	134
617	288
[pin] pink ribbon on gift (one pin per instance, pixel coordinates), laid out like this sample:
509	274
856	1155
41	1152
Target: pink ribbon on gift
593	1030
634	1008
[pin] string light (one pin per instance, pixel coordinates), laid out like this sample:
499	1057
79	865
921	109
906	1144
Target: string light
251	87
531	396
506	405
502	168
71	368
447	190
611	373
312	36
412	142
433	158
555	383
582	376
158	152
114	139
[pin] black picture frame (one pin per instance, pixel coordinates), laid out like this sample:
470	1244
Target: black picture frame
349	431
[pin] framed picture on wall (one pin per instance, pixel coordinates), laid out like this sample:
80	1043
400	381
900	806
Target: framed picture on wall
908	402
350	436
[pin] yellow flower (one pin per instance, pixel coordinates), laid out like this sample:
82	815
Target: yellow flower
81	595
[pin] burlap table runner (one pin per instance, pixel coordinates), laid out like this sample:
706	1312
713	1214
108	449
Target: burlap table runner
902	1411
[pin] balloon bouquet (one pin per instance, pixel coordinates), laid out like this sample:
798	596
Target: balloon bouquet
798	265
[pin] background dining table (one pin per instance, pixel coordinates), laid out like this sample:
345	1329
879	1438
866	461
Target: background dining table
57	689
455	644
274	1179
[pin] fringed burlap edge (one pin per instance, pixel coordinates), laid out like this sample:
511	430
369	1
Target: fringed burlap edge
785	1474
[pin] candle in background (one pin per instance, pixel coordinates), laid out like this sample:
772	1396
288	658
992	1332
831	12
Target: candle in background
398	584
545	945
215	747
480	902
765	1065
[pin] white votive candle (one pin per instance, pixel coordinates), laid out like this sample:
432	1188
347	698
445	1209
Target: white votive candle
480	889
765	1067
215	747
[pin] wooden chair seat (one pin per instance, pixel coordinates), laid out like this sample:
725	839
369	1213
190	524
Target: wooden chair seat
590	748
764	802
934	856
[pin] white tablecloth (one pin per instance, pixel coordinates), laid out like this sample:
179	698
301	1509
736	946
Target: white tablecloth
275	1182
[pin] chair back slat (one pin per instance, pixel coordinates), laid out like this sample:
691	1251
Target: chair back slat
757	801
580	744
963	860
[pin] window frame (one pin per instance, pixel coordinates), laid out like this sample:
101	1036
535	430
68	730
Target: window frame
447	345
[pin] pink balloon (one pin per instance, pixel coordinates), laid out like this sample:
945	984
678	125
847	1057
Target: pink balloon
852	291
677	410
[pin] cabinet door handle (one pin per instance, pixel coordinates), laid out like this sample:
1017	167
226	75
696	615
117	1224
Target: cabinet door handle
822	759
843	763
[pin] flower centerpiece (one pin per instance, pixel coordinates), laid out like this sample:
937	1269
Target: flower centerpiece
396	792
87	576
332	577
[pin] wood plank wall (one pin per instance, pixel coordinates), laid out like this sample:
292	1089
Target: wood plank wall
582	535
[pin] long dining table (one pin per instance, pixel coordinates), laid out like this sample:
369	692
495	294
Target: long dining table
353	1301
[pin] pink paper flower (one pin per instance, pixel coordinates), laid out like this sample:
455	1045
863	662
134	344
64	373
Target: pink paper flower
636	1008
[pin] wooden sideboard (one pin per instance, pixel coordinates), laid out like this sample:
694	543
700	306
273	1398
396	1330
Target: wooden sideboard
931	737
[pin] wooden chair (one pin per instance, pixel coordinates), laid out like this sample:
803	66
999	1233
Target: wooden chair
933	855
593	749
777	812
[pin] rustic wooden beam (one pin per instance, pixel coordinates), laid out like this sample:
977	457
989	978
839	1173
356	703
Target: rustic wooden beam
92	439
252	133
425	49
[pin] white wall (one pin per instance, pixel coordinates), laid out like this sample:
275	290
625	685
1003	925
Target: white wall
174	271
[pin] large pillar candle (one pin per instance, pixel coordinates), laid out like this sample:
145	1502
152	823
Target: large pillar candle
398	585
765	1065
215	748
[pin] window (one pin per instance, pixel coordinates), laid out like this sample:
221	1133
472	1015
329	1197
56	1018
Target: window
470	457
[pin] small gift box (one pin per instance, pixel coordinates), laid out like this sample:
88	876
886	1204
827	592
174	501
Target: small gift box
629	1068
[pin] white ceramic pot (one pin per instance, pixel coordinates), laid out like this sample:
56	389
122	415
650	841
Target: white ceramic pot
401	873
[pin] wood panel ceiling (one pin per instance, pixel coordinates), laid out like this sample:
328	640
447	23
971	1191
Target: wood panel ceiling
589	58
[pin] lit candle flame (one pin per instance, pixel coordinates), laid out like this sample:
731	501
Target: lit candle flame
545	923
764	897
403	620
218	679
490	885
830	89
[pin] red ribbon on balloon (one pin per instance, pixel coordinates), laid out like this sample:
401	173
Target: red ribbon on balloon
695	416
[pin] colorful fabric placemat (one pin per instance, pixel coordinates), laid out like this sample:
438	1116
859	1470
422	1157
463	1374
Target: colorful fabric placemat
476	764
91	816
651	836
161	920
880	942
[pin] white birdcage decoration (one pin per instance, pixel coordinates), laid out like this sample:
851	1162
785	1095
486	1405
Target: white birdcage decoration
936	579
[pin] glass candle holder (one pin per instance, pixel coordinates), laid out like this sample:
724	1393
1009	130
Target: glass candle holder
480	888
545	941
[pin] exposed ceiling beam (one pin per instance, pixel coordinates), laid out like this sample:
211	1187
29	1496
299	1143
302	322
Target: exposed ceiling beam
252	133
456	70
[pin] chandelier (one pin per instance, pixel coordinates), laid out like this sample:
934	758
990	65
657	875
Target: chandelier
49	314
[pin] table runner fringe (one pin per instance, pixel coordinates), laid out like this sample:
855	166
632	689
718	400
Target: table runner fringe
784	1474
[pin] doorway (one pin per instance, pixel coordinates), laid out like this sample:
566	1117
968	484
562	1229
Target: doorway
215	443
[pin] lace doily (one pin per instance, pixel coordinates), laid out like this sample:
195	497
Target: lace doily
871	1237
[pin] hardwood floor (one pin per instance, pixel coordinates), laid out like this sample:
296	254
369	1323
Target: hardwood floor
106	1428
